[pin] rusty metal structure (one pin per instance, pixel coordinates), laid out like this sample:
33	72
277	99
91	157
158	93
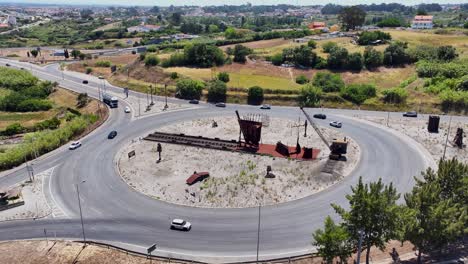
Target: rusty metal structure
195	141
458	140
251	129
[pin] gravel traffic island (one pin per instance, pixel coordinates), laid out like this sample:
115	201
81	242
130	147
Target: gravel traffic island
236	179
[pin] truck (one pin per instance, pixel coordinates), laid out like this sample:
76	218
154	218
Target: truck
110	100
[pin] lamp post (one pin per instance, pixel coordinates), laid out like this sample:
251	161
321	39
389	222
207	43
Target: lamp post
165	94
81	213
446	139
258	230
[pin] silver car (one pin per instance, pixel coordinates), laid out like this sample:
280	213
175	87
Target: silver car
75	145
180	224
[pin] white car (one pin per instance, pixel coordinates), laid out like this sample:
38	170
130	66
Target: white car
180	224
265	106
335	124
75	145
127	109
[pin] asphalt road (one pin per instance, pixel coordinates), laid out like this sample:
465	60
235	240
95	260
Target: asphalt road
115	213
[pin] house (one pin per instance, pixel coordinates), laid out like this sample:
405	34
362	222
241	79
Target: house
4	25
144	28
317	25
422	22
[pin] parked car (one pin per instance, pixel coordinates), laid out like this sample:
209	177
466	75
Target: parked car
181	224
265	106
335	124
320	116
75	145
127	109
112	134
193	101
8	65
85	81
220	104
22	69
411	114
101	77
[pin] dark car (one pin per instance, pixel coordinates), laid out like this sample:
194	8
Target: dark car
112	134
320	116
220	104
85	81
411	114
8	65
193	101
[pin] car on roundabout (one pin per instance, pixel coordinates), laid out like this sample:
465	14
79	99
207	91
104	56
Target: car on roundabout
265	106
320	116
220	105
112	134
85	82
336	124
180	224
74	145
194	101
127	109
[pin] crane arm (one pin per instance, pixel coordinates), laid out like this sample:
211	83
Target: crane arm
316	128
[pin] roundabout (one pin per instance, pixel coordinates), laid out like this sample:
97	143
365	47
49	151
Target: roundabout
117	214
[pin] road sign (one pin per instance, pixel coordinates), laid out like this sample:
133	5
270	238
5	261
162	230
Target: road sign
151	249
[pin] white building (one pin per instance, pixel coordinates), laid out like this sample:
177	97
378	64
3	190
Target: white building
422	22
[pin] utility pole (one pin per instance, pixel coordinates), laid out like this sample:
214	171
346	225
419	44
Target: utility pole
139	107
446	139
258	230
151	90
81	214
388	117
165	93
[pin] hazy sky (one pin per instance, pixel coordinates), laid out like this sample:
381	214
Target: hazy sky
228	2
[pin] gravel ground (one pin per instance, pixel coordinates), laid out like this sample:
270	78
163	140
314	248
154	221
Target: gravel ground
236	179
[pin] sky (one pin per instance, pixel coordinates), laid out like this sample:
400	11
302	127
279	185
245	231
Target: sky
227	2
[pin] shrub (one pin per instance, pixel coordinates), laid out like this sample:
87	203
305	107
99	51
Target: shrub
34	105
142	56
372	58
328	46
358	93
176	59
328	82
423	52
355	61
89	70
395	54
189	89
203	55
395	95
223	76
16	79
152	48
338	58
277	59
82	100
240	52
255	95
391	22
52	123
310	96
368	37
134	52
151	60
312	44
454	100
446	53
216	91
301	79
103	63
13	129
174	75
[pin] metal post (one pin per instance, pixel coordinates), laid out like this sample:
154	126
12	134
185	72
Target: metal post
388	117
139	107
151	91
45	234
446	139
359	247
81	214
258	231
165	93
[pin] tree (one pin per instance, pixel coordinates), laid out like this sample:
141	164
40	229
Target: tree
372	58
66	54
421	12
333	241
230	33
395	54
154	10
203	55
223	76
328	82
352	17
86	13
255	95
75	53
310	96
82	100
176	18
216	91
328	46
438	207
355	61
151	60
277	59
373	211
82	56
446	53
34	53
395	96
189	89
213	28
240	52
338	58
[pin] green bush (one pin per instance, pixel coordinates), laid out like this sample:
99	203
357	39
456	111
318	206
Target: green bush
372	58
395	96
454	69
89	70
152	48
240	52
203	55
16	79
338	58
255	95
103	63
151	60
52	123
223	76
328	46
13	129
395	54
454	100
189	89
312	44
328	82
216	91
355	62
302	79
277	59
368	37
310	96
176	59
358	93
391	22
174	75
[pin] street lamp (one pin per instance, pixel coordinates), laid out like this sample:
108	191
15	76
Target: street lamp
81	213
258	230
446	139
